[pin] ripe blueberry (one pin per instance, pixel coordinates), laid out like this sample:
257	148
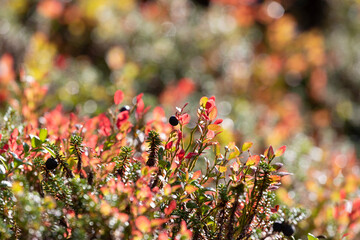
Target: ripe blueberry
124	108
51	163
277	226
173	121
284	227
287	229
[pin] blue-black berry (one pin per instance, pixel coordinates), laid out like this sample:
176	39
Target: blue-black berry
173	121
51	163
277	226
285	228
124	108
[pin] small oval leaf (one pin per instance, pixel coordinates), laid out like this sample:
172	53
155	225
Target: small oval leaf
246	146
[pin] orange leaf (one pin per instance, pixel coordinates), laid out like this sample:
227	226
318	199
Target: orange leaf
196	174
190	189
163	236
143	224
118	97
280	151
214	127
275	178
213	114
158	221
253	160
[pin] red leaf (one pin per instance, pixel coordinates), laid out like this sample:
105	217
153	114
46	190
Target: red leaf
218	121
169	209
168	145
190	155
118	97
121	118
269	153
14	134
275	209
139	104
158	113
184	119
104	125
181	154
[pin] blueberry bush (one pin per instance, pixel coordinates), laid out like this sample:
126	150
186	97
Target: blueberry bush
283	73
129	174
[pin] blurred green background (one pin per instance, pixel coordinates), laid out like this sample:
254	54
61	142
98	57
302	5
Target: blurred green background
283	72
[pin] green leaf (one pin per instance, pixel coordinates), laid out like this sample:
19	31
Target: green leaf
17	160
2	170
35	141
26	147
43	134
3	160
311	237
191	204
49	150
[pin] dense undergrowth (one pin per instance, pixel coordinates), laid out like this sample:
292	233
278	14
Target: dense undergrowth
129	174
283	73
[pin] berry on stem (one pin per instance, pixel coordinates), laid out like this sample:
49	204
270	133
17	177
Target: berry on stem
173	121
277	226
124	108
51	163
287	229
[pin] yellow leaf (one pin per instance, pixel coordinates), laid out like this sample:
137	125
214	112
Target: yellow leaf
203	101
246	146
167	189
222	169
190	189
235	153
105	208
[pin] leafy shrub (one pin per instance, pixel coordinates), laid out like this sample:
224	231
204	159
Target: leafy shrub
129	175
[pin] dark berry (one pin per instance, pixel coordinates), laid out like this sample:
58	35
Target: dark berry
287	229
124	108
277	226
173	121
51	163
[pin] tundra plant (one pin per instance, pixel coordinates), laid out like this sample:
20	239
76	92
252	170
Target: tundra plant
128	174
